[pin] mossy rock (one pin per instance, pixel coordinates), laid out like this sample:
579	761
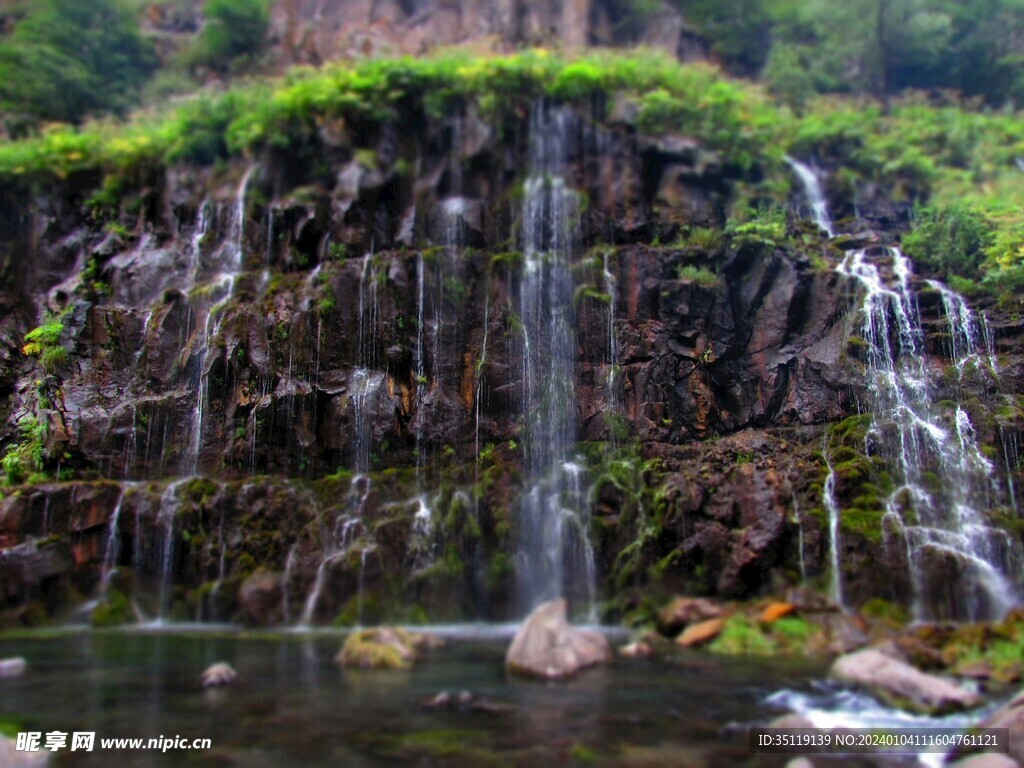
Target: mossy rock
383	648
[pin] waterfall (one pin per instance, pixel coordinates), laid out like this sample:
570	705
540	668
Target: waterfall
231	257
828	494
170	504
338	543
113	549
555	557
958	562
811	181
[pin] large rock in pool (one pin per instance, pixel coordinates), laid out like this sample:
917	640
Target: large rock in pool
900	684
549	647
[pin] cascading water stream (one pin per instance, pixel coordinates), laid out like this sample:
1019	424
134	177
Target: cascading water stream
943	473
555	557
828	495
170	504
811	181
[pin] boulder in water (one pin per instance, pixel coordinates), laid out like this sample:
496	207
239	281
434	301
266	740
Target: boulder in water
549	647
900	684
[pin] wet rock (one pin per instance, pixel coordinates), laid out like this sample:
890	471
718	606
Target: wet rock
701	633
383	648
260	598
12	667
637	650
792	720
547	646
682	611
1010	715
986	760
900	684
217	675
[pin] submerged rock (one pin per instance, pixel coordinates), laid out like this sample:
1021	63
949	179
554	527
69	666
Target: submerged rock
902	685
384	648
547	646
219	674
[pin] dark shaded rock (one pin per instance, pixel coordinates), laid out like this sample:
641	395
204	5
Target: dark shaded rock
259	596
682	611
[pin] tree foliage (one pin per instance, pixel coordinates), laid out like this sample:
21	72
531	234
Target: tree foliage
233	29
66	59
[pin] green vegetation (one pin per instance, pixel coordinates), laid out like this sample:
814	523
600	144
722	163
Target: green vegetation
743	635
702	276
24	460
66	59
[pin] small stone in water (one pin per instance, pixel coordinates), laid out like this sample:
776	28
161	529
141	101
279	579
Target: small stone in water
12	667
219	674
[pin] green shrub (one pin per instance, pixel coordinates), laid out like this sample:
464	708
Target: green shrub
700	275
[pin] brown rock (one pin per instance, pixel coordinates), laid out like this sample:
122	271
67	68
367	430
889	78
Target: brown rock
704	632
682	611
901	684
776	611
547	646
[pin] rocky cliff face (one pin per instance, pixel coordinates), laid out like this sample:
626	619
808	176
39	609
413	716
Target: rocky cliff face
292	390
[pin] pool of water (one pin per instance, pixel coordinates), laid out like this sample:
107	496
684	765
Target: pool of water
293	705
